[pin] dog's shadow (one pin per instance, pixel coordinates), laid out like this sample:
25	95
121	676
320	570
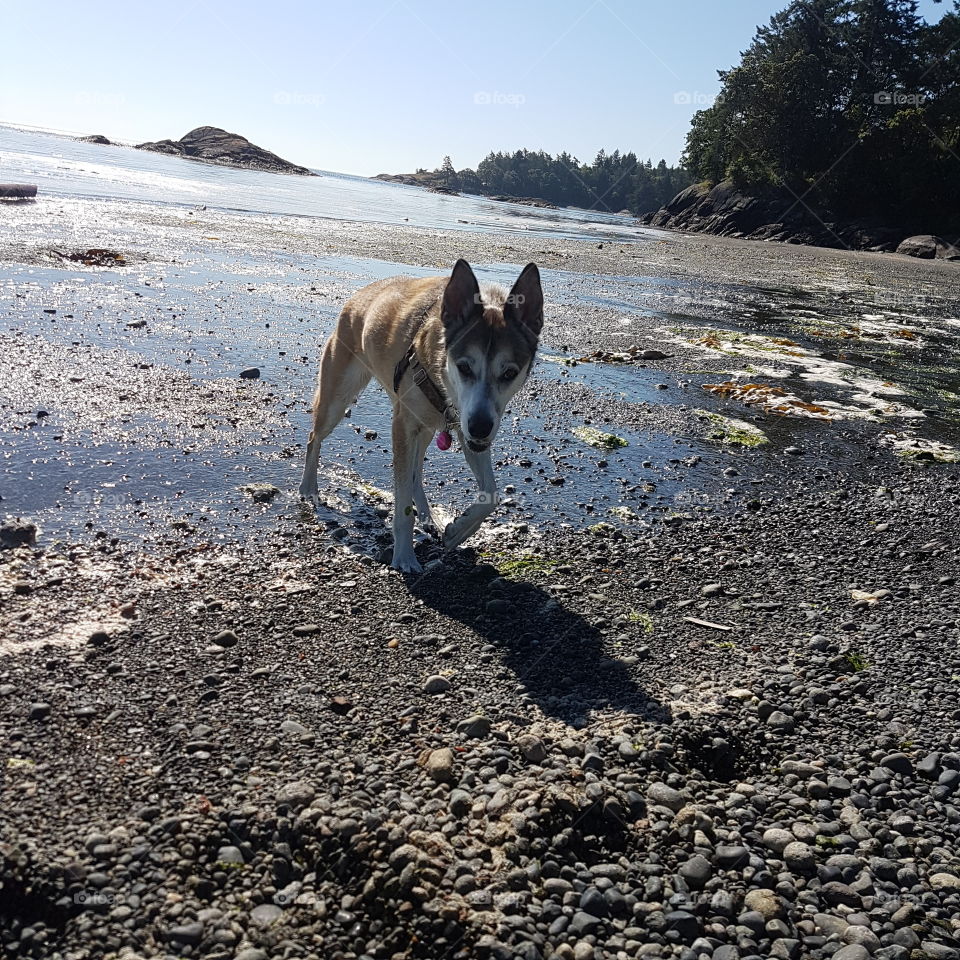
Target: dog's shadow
556	656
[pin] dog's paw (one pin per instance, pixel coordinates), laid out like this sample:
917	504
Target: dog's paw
450	538
310	493
406	563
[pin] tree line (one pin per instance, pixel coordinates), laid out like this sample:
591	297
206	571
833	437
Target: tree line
612	182
852	104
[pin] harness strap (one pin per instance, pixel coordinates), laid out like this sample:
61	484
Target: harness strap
435	396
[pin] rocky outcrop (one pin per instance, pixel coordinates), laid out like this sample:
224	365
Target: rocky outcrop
768	214
213	145
928	247
523	201
95	138
436	182
432	180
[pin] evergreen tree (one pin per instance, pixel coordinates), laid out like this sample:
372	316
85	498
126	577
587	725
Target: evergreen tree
852	102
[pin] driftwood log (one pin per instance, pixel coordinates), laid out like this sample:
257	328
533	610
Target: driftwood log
17	191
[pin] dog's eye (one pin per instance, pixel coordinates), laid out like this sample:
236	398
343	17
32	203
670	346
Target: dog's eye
509	374
464	369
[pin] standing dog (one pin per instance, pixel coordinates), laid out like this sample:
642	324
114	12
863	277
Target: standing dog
450	354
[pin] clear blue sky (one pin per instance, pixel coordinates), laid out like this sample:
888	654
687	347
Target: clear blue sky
375	86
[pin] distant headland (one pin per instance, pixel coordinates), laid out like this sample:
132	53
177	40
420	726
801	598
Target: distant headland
218	146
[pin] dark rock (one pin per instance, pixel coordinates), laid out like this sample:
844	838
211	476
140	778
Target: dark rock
926	246
213	145
696	871
933	950
261	492
780	721
686	924
582	924
477	726
17	533
898	763
662	795
731	856
930	766
296	794
226	638
593	902
191	933
460	803
837	894
532	748
436	684
765	213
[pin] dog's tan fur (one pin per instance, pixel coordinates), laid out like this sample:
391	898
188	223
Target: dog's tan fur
449	319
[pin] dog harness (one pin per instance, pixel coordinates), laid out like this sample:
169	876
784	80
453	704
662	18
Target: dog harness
435	396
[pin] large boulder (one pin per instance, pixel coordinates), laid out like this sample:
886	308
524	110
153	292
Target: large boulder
731	211
213	145
926	246
687	198
96	138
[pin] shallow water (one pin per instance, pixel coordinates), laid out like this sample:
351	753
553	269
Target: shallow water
208	323
136	472
61	166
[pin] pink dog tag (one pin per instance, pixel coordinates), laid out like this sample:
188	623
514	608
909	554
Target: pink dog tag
444	440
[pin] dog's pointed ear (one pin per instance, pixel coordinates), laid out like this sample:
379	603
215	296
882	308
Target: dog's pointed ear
525	303
461	298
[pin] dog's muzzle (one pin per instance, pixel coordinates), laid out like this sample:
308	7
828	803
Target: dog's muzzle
478	447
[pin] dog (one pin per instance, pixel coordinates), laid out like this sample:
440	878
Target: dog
451	354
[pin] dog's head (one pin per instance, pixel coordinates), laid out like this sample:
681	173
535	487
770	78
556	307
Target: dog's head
491	338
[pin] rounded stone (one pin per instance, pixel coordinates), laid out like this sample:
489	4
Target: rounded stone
800	857
696	871
766	903
436	684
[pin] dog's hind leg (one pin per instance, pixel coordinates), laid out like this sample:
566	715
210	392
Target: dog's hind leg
343	375
469	521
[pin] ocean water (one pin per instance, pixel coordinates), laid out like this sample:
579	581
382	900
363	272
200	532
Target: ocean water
61	166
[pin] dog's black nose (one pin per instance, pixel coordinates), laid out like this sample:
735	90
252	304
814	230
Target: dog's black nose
480	426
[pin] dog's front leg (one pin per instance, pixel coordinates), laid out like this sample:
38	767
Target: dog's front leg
424	514
406	448
469	521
